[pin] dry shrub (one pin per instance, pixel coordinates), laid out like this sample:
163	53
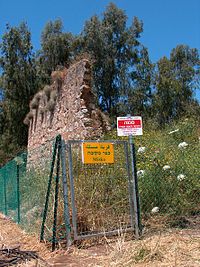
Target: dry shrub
28	117
42	110
36	99
51	105
47	90
26	121
34	103
57	76
57	79
53	95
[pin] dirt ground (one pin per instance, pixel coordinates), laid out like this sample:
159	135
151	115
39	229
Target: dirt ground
168	248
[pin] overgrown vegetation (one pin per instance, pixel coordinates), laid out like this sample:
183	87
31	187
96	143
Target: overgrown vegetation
168	167
168	174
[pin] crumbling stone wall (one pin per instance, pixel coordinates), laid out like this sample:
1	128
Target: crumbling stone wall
66	107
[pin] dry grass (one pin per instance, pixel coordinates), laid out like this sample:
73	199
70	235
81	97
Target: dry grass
172	248
179	248
12	236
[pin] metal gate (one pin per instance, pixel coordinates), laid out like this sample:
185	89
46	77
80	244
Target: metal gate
101	195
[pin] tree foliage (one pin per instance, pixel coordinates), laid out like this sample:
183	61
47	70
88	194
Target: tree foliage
18	84
176	80
142	76
113	46
55	50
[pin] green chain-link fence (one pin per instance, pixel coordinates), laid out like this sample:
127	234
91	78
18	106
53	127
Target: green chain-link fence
23	185
10	187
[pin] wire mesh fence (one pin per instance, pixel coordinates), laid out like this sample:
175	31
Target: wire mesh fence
23	183
10	187
100	193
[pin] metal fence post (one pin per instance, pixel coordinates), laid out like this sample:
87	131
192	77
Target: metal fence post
5	194
56	195
48	191
65	194
18	196
129	185
72	190
135	188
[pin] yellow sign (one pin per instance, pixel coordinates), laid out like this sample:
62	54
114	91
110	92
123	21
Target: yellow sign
97	153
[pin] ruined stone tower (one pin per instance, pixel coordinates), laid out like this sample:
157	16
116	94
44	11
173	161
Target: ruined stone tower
66	107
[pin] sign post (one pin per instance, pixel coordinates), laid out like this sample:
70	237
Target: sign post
130	126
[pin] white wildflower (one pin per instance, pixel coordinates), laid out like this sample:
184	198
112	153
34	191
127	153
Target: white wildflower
166	167
183	145
140	173
181	177
174	131
155	210
141	149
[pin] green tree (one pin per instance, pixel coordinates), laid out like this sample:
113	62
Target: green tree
1	111
56	50
175	82
113	45
166	84
185	62
18	83
140	95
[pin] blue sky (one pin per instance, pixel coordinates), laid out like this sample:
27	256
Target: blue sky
167	23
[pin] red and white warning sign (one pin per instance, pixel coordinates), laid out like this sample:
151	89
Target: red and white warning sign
129	126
